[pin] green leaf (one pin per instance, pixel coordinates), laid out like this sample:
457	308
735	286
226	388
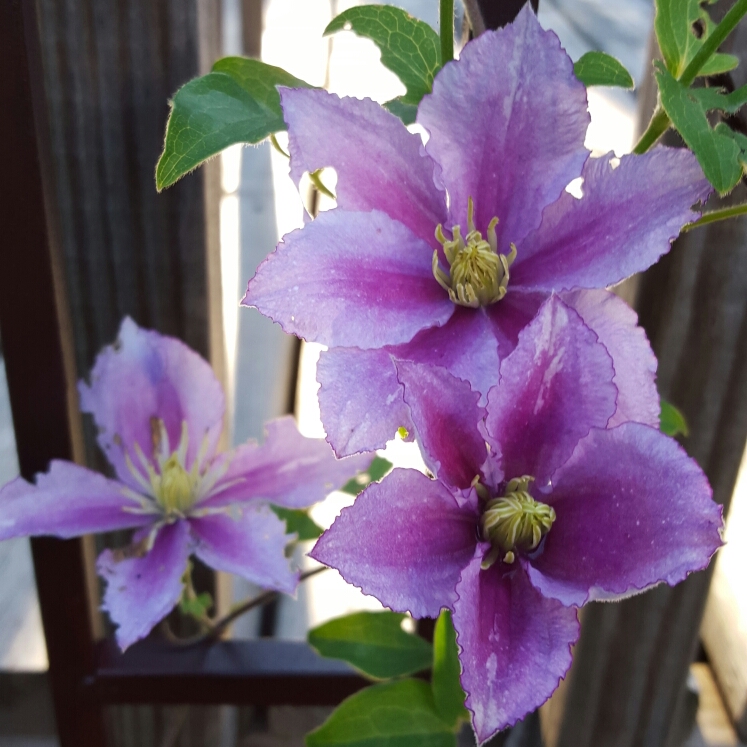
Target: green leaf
714	98
738	138
410	48
672	421
600	69
447	689
406	112
299	522
678	42
392	714
716	152
374	643
376	470
236	103
197	606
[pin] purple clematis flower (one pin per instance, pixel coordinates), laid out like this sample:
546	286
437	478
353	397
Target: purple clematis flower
442	254
159	410
536	508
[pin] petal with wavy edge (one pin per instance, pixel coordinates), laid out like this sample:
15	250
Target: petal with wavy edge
627	218
288	469
616	326
515	645
512	140
379	164
404	540
446	415
250	544
632	510
143	376
351	279
142	589
554	387
66	502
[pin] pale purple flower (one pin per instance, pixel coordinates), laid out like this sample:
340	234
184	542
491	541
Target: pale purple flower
535	509
159	410
506	126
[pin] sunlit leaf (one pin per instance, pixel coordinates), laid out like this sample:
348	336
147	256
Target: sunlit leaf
297	521
377	469
600	69
672	421
447	689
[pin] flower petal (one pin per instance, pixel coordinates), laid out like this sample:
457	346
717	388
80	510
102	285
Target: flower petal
509	317
515	645
144	376
554	387
446	415
360	399
142	590
507	123
404	541
627	218
251	545
379	164
288	469
66	502
350	279
632	510
616	326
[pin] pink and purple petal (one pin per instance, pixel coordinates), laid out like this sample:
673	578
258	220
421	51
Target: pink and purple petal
145	377
250	544
509	317
360	399
632	510
627	218
379	164
446	415
404	540
288	469
67	501
515	645
352	280
616	326
554	387
507	123
142	589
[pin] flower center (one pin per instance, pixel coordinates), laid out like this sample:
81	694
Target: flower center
515	521
174	487
478	274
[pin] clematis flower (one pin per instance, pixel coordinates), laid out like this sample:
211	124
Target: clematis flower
159	410
442	254
535	509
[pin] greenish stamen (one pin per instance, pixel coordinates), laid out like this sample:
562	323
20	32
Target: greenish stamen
478	275
515	521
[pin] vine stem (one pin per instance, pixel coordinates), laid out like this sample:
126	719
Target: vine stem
714	216
216	627
660	122
446	24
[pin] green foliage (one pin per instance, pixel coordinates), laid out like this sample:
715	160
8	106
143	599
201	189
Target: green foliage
672	421
297	521
447	689
677	40
392	714
235	103
410	48
376	470
600	69
715	99
717	152
374	643
197	606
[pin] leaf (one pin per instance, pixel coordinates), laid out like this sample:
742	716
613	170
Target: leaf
716	152
600	69
738	138
374	643
406	112
197	606
235	103
671	421
376	470
447	689
410	48
392	714
714	98
678	42
298	521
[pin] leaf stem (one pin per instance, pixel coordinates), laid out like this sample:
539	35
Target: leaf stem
658	125
277	146
216	627
319	184
446	23
714	216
